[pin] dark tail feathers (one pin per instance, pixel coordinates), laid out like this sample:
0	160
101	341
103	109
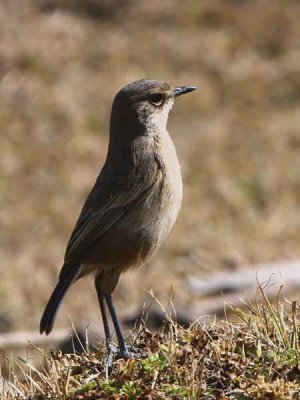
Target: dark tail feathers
58	294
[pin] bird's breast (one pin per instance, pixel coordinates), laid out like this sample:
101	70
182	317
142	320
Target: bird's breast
171	186
161	206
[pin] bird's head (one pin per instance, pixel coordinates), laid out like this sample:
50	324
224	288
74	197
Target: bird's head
143	106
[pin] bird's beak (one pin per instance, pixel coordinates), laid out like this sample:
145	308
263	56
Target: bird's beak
183	90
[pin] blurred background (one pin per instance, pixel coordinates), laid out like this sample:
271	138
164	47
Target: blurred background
237	138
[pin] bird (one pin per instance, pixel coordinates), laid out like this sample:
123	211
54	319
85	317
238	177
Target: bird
132	206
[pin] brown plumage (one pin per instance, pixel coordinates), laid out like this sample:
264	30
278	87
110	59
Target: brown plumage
134	202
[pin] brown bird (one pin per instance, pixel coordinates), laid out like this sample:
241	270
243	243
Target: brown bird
133	204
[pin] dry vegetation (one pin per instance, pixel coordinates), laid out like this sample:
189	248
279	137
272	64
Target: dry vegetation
238	139
254	359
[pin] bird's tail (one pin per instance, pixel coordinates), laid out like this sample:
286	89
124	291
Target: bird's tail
57	296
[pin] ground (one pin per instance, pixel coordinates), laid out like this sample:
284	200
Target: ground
254	358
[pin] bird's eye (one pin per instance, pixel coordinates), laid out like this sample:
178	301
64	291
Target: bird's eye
157	99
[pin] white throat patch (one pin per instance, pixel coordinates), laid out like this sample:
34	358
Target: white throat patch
159	118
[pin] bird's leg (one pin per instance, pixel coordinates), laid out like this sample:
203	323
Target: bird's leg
121	341
111	349
104	318
124	352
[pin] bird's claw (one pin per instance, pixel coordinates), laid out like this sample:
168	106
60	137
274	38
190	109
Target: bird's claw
130	353
111	351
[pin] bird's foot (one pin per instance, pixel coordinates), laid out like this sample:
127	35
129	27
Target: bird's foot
111	351
131	353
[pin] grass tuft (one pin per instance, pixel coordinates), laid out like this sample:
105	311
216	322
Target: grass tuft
254	357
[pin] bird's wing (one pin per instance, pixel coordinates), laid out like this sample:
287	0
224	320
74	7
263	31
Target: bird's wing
102	210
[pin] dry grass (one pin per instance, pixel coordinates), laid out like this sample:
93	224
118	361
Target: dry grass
254	358
62	61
